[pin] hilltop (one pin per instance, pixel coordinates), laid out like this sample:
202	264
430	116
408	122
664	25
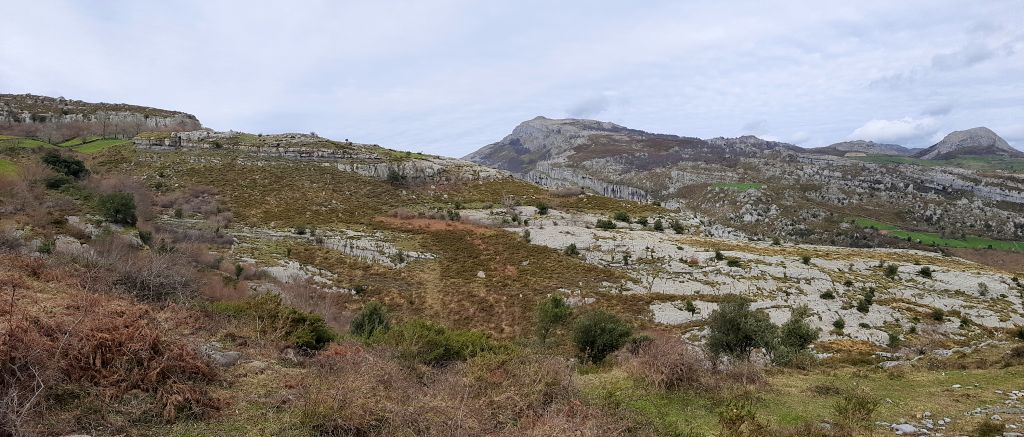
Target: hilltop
979	141
865	147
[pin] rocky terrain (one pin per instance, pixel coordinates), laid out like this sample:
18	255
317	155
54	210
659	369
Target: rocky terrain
195	282
866	147
777	190
57	119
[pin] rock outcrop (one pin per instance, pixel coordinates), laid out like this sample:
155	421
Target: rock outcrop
979	141
55	118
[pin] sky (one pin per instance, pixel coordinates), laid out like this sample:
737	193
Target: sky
447	77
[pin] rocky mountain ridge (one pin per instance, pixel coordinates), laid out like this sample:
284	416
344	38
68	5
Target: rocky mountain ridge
865	147
979	141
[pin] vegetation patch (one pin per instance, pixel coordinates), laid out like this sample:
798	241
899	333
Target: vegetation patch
739	186
934	239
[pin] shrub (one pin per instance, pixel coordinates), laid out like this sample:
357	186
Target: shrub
604	224
734	329
805	259
621	216
300	329
796	333
658	225
668	363
854	410
372	320
642	221
571	250
733	262
894	340
677	227
542	208
598	333
552	312
989	428
58	181
938	314
117	208
66	165
863	305
719	255
1017	332
891	271
433	344
839	324
925	272
827	294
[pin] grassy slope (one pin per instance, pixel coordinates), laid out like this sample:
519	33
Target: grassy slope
1015	165
7	167
96	146
930	238
739	186
19	142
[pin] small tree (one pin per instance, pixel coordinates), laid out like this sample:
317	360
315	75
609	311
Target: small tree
621	216
796	334
371	320
690	307
552	312
891	271
598	333
659	225
735	330
117	208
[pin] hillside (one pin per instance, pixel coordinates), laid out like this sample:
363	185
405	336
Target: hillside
865	147
775	190
56	119
194	282
979	141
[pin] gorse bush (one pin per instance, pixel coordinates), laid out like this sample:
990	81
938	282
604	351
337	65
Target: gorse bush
552	312
117	208
297	328
597	334
433	344
372	320
66	165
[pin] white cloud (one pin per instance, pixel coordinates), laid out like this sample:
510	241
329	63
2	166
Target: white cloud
907	129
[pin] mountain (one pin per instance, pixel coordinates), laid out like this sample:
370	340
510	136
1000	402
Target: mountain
765	188
57	119
578	141
865	147
979	141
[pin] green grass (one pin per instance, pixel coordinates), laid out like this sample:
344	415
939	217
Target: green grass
97	146
7	167
793	397
1014	165
739	186
931	238
77	141
19	142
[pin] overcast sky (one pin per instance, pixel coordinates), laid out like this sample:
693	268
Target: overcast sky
448	77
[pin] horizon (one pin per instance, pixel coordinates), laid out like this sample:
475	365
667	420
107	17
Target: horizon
450	77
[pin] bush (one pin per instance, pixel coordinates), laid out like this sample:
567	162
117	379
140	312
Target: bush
372	320
938	314
66	165
658	225
542	208
719	255
735	330
805	259
571	250
58	181
891	271
677	227
989	428
925	272
839	324
642	221
117	208
604	224
552	312
796	333
300	329
668	363
598	333
827	295
854	410
433	344
621	216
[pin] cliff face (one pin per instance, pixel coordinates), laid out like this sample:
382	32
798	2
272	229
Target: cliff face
56	119
365	159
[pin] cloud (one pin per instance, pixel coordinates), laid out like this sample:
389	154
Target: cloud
590	107
904	130
966	56
754	126
938	110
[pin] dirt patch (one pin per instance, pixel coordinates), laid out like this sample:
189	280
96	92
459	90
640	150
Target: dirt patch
1000	259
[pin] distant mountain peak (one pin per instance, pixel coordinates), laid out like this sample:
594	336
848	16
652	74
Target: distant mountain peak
980	141
865	147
